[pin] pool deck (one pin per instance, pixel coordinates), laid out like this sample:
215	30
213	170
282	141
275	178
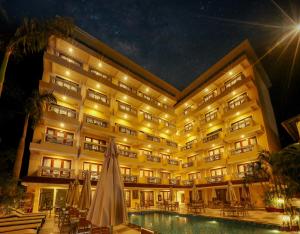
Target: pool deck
255	216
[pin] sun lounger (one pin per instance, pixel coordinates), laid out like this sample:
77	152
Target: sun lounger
24	231
21	222
146	231
16	218
20	212
19	227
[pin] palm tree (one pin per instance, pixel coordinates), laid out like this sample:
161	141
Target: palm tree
34	111
32	37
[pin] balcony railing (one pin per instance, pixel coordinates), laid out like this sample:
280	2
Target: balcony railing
127	153
212	158
127	88
95	121
151	118
95	175
100	74
152	138
69	85
153	158
188	182
233	82
171	143
153	180
127	131
130	179
241	124
98	97
55	172
208	118
241	150
59	140
94	147
211	137
237	103
188	164
215	179
173	162
174	182
244	174
127	108
61	110
68	58
187	147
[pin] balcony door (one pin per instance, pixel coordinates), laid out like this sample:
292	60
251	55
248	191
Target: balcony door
221	194
147	197
128	198
53	167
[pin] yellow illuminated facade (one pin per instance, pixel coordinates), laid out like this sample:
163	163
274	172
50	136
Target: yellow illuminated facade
207	134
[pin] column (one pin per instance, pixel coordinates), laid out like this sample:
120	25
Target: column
36	198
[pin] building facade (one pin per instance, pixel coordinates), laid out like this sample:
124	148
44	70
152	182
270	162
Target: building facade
207	134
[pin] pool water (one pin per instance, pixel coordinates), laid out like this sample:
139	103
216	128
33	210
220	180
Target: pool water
168	223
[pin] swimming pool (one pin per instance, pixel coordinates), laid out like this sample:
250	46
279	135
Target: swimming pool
170	223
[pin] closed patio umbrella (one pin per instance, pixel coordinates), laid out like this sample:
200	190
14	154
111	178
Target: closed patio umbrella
195	194
108	206
213	195
69	192
230	194
171	196
74	196
86	193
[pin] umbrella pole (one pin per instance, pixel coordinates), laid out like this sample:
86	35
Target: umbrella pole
111	230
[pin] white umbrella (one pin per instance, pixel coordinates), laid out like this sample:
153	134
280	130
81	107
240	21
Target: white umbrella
108	207
86	193
171	195
74	195
213	195
230	194
71	185
195	194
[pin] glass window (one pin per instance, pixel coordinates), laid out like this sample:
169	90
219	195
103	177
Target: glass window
241	123
210	95
125	170
59	137
238	101
211	115
218	172
146	173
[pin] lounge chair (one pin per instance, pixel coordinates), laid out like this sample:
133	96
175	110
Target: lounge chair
146	231
19	213
24	231
16	218
20	227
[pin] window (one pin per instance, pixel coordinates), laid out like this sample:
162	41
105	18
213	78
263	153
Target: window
164	156
238	101
98	96
146	152
194	176
124	150
93	168
61	110
241	124
211	115
245	142
59	137
212	135
126	87
68	59
246	168
96	121
191	158
93	144
125	170
218	172
146	173
127	108
152	138
187	110
216	151
100	74
56	167
65	83
189	144
165	175
164	195
211	95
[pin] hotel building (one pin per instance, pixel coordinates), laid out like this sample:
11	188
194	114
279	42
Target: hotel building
207	134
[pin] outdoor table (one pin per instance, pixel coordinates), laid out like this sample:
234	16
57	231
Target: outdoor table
19	227
21	222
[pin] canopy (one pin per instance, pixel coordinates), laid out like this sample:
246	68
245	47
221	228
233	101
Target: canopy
86	193
108	206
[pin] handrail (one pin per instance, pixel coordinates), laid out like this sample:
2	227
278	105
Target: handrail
212	158
243	149
61	110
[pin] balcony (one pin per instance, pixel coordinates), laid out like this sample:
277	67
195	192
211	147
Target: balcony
127	153
248	127
126	111
187	182
56	114
102	76
91	149
152	158
95	125
54	144
94	98
211	138
212	158
153	180
62	87
127	132
215	138
215	179
210	120
95	175
149	119
240	107
68	58
174	182
173	162
243	154
152	138
130	179
167	126
242	150
54	172
187	165
171	144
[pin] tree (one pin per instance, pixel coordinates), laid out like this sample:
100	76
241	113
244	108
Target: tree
32	37
33	111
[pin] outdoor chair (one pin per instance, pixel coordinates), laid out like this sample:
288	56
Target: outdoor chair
65	223
102	230
83	226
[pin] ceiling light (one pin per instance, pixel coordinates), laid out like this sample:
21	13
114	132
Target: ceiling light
149	146
125	116
166	116
64	97
237	113
298	27
208	107
98	86
206	90
99	64
70	49
125	97
147	89
233	92
147	107
125	77
165	99
167	131
96	106
230	73
149	125
125	139
62	125
67	73
210	125
242	136
213	145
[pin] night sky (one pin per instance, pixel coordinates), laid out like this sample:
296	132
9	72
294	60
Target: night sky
179	40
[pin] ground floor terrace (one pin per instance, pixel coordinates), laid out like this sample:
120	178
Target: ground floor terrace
46	194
